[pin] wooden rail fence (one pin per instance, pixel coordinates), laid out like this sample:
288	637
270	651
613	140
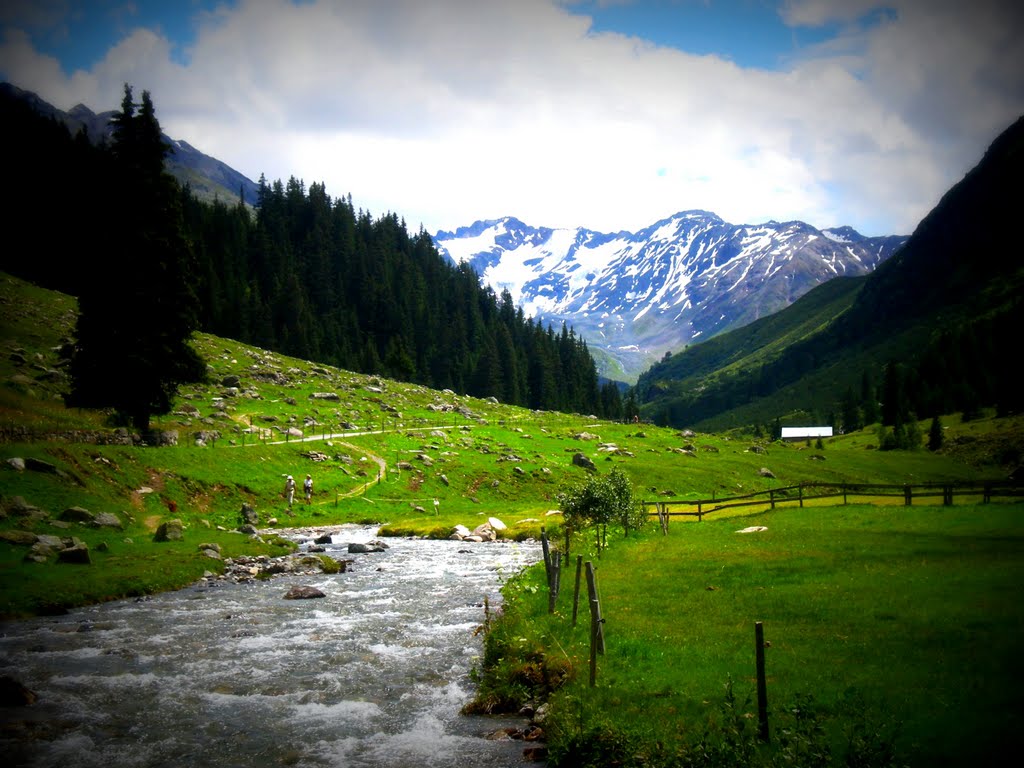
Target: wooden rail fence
804	492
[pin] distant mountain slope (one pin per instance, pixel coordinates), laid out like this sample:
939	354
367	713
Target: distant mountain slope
685	278
208	177
946	309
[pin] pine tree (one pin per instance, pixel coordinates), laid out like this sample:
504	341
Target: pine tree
139	310
935	435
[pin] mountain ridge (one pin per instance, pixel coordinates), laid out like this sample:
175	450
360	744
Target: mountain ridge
208	177
637	295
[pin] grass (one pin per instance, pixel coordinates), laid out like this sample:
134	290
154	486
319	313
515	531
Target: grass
900	619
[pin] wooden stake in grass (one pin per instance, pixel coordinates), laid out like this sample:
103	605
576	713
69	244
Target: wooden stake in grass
596	622
762	685
576	591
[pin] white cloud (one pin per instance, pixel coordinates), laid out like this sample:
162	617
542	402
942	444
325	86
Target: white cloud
448	112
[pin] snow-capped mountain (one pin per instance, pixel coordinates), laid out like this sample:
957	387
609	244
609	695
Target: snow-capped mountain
638	295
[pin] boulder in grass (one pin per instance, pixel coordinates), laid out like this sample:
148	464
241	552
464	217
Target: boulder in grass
582	460
18	537
171	530
77	515
108	520
77	555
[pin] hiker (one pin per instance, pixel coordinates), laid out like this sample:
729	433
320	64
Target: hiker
289	490
307	486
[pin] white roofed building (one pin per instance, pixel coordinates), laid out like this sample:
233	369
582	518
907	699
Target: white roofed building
805	433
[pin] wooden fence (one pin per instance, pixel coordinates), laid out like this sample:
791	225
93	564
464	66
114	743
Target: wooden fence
805	492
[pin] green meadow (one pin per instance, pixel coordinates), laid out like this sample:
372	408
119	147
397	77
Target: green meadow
893	638
893	630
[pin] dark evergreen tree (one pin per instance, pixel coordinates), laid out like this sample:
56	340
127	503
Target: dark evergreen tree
139	310
935	435
630	408
869	399
894	397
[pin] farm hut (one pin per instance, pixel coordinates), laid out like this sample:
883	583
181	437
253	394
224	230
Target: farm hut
805	433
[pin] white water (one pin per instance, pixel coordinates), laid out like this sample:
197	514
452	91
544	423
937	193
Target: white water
221	674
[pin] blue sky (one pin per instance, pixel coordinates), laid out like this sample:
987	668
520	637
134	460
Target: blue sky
609	114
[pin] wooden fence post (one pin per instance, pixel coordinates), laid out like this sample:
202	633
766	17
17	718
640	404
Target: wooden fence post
801	494
771	497
762	684
595	607
595	634
907	495
576	591
554	581
546	549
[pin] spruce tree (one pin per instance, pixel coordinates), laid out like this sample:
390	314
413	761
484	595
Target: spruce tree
138	310
935	435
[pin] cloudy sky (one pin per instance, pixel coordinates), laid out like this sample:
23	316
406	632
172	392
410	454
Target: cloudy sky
608	114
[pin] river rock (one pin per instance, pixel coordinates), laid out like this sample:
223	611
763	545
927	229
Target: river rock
14	694
303	592
485	532
357	547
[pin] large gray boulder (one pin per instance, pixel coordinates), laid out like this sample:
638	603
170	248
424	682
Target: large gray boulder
170	530
108	520
77	515
77	554
582	460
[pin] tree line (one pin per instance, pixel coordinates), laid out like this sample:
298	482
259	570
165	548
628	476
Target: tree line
295	271
312	276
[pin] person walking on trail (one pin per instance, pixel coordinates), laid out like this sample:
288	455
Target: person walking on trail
289	490
307	486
